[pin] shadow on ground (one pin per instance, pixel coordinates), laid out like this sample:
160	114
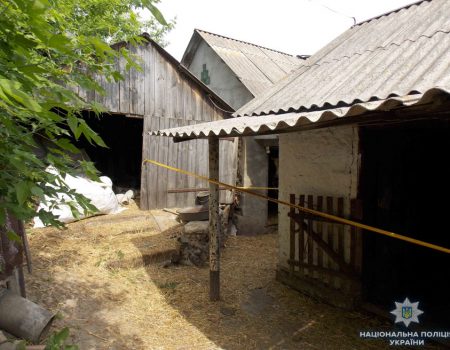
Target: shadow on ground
84	274
82	302
257	312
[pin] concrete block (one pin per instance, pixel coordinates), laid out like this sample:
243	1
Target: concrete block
196	227
250	225
3	337
7	346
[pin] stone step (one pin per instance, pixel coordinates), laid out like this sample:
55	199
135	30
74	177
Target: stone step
147	249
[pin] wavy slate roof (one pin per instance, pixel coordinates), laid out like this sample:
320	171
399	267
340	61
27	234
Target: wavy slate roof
396	60
257	67
288	122
402	52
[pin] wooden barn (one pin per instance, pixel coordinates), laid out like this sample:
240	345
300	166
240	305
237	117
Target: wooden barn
163	94
363	133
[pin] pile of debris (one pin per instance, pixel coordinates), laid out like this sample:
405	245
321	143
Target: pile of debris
194	240
194	243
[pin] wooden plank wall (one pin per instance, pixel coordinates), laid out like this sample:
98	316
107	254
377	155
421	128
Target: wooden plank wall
164	98
188	155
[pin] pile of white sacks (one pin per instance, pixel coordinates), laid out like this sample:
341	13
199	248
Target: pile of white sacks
100	194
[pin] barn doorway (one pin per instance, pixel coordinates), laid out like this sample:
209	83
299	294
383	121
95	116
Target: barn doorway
404	181
121	161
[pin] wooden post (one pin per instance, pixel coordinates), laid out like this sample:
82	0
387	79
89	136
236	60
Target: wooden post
214	224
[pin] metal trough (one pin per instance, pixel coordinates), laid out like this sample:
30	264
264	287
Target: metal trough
197	213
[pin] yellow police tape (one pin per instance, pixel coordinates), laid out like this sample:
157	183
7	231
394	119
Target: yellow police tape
306	210
256	188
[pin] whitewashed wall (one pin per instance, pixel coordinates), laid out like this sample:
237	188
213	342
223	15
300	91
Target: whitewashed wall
317	162
223	81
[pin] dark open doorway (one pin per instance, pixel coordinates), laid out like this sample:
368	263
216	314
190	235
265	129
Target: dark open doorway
121	161
404	189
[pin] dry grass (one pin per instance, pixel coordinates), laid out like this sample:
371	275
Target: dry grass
151	307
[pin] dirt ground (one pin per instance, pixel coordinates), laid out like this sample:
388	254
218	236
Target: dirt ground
93	276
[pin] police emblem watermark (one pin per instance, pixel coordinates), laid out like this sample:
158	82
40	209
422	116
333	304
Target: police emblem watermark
406	312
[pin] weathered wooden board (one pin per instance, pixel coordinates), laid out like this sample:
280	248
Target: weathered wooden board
124	89
164	97
172	160
149	82
137	83
327	252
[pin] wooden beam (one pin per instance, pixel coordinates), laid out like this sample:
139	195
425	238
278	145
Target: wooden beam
214	227
308	216
199	189
324	270
339	260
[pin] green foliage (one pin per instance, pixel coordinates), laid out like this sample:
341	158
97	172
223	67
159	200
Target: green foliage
114	20
47	47
20	345
120	254
13	236
169	285
57	341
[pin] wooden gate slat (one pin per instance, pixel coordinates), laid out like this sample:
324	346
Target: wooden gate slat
328	252
356	249
309	231
340	213
330	211
352	237
338	259
320	231
329	234
292	234
301	234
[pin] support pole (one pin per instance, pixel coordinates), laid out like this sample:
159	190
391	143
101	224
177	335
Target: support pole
214	224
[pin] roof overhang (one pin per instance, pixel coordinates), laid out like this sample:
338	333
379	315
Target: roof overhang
393	108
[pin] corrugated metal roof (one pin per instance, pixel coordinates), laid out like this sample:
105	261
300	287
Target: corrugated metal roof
402	52
274	124
257	67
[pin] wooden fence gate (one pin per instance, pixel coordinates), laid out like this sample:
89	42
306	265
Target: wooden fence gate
325	256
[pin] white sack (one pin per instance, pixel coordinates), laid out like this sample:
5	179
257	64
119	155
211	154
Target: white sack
100	194
125	198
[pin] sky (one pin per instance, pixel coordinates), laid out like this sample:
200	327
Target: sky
298	27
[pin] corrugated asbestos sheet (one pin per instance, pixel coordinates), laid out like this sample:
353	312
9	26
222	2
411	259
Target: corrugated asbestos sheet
398	59
393	55
274	124
257	67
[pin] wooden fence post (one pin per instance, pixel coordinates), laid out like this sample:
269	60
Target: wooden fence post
214	227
